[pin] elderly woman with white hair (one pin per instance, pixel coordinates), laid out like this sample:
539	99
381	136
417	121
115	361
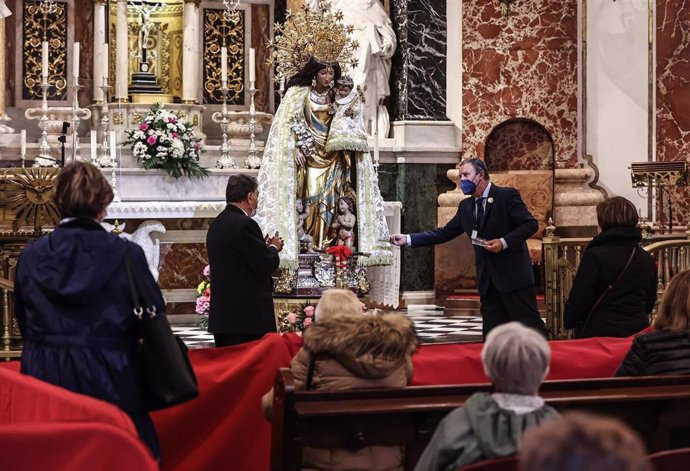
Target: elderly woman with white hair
488	426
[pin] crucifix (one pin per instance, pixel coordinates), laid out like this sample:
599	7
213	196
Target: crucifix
145	8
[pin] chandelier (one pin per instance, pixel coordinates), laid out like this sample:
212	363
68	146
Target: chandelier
231	14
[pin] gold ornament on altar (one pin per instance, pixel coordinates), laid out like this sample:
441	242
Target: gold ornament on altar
318	34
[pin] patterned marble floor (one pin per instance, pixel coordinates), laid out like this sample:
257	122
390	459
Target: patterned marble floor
431	325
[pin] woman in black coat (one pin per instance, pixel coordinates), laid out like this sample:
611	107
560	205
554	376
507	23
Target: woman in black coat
615	286
73	303
665	350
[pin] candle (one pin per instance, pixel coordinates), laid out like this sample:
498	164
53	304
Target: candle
113	144
44	56
23	142
252	67
376	144
224	64
105	60
75	58
94	147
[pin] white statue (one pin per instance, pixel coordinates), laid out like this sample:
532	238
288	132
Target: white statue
4	11
373	30
142	237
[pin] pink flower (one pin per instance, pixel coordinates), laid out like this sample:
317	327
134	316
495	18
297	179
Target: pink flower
197	145
309	311
307	321
299	333
151	140
143	127
207	270
292	317
174	135
172	120
207	293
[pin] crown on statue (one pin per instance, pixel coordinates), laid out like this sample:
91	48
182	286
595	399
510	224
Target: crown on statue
317	33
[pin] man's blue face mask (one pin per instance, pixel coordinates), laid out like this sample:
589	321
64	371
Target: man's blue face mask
468	187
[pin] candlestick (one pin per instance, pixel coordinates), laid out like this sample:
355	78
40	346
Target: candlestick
252	66
44	60
224	65
94	144
112	149
77	115
22	143
103	159
75	58
225	160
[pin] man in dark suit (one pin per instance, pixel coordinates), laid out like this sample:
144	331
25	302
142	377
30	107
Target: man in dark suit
498	224
242	261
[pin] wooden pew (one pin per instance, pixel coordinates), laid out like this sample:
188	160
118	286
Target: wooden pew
357	418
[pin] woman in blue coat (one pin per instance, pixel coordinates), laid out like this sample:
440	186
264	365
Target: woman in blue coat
73	303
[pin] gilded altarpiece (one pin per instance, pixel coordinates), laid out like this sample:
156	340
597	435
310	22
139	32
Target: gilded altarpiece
39	25
164	44
218	32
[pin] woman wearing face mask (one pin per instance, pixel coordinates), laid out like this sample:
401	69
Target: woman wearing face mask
300	160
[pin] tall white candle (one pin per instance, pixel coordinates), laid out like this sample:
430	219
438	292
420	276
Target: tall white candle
94	145
22	142
75	58
113	146
44	57
105	61
376	145
224	64
252	65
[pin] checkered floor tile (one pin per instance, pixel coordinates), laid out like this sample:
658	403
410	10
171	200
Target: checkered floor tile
430	323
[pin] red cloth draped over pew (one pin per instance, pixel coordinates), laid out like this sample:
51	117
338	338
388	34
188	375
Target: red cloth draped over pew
46	427
224	428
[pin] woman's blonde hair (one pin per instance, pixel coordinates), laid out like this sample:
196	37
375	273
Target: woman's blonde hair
81	190
674	311
337	302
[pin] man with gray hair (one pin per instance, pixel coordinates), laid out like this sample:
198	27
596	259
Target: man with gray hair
489	426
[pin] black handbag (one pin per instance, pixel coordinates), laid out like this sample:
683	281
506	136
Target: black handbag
166	375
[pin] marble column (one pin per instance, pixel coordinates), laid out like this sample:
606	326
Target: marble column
3	117
191	59
99	21
419	64
122	53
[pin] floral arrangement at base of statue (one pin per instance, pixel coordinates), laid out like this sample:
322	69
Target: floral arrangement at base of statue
296	320
164	141
203	299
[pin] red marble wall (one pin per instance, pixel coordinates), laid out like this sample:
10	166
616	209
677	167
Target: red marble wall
673	91
523	65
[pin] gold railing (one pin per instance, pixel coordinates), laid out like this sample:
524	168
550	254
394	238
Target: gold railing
7	288
562	258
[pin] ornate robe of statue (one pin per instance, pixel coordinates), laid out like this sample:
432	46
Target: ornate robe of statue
301	125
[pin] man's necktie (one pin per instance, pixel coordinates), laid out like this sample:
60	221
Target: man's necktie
480	212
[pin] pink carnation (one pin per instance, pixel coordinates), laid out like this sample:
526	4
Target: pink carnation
172	120
309	311
174	135
292	318
207	270
151	140
307	321
143	127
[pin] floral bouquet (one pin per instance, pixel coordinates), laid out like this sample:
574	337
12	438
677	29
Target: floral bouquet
203	299
165	142
296	320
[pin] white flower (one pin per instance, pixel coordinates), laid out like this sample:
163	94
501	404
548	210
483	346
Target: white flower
177	149
490	200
